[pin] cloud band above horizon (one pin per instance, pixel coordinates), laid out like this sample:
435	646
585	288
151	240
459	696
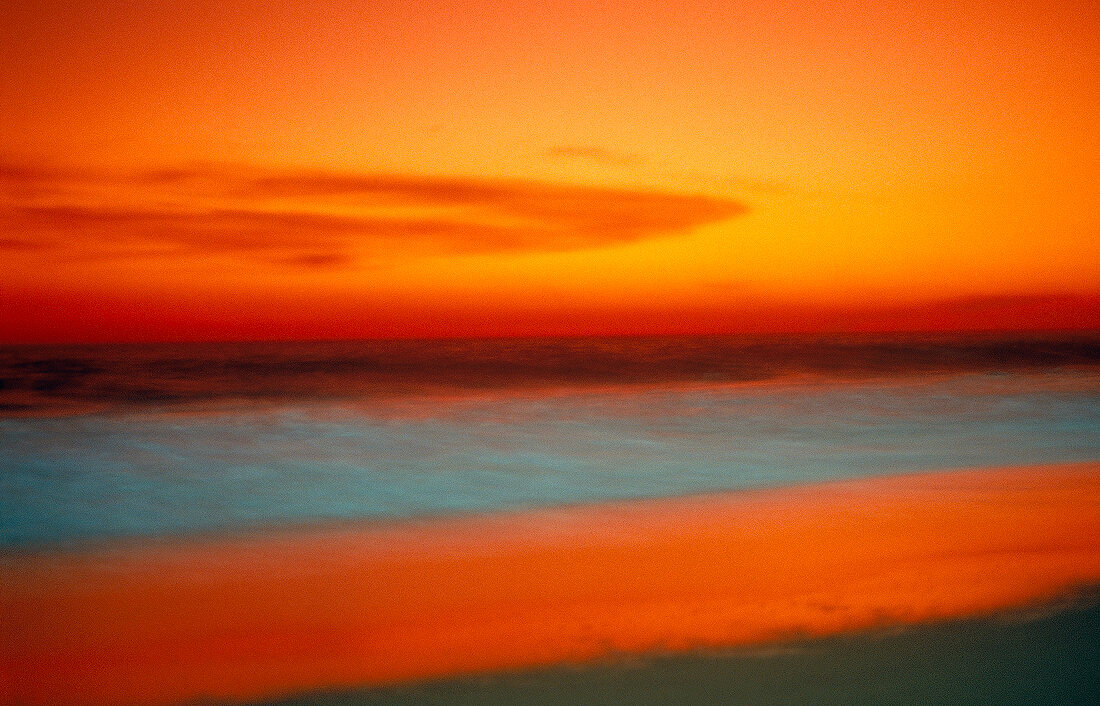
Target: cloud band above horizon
315	219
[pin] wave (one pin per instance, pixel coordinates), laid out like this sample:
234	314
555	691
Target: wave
59	379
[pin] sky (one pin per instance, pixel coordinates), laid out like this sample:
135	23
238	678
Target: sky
237	170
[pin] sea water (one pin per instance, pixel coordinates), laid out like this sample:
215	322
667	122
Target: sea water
100	442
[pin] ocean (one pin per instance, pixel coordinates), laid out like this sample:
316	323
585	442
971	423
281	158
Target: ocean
110	441
136	446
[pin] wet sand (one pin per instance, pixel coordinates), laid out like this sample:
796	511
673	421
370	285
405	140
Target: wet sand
1045	655
257	615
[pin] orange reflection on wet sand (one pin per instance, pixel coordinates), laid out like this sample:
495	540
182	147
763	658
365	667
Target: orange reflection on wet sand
149	622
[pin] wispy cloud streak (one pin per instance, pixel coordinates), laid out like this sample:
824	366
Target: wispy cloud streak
594	154
313	219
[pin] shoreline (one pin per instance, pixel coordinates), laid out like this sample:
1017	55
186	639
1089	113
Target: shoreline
353	605
1042	654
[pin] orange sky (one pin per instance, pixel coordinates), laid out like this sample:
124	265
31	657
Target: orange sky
215	170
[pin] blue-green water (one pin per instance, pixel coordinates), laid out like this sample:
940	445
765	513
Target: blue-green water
158	444
106	442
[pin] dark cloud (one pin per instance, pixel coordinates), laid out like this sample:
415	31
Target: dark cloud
15	244
317	219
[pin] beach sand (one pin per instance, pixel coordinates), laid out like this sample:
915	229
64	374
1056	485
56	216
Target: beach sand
262	614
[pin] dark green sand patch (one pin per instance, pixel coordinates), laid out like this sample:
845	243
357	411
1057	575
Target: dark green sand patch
1042	656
